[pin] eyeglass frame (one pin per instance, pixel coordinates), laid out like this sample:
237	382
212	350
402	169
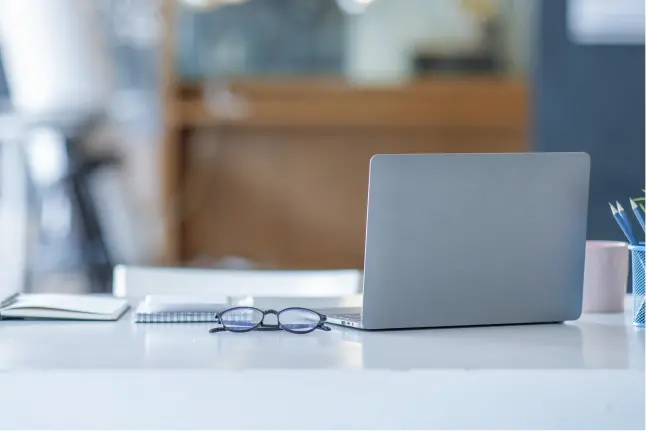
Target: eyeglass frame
261	326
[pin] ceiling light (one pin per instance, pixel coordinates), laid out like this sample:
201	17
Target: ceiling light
353	7
202	5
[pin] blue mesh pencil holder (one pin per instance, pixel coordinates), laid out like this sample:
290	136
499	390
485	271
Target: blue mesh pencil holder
639	307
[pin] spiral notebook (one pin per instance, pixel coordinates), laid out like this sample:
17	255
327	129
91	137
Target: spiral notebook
180	309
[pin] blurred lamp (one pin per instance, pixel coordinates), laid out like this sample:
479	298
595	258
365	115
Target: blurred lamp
353	7
55	60
201	5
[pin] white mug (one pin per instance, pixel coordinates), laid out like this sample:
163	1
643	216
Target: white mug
606	276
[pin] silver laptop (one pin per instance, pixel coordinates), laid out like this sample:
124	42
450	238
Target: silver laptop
473	239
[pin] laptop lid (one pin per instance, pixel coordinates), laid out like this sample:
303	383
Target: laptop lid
475	239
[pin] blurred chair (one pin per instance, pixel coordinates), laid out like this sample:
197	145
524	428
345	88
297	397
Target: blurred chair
136	281
66	240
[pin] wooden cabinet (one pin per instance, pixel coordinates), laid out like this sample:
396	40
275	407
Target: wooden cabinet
283	179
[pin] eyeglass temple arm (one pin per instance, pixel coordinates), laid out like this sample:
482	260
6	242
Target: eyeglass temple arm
322	324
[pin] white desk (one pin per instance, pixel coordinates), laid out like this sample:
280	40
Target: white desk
587	374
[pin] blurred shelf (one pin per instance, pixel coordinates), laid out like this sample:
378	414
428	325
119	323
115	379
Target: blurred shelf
443	103
287	184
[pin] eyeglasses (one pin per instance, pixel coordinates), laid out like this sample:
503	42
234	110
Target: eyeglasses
295	320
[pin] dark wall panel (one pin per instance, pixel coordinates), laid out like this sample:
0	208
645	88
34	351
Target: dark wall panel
591	98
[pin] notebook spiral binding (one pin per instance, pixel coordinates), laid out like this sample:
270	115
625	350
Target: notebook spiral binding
176	317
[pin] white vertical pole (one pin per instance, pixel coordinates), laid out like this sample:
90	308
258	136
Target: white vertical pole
13	218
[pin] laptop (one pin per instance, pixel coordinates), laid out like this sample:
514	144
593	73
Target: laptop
473	239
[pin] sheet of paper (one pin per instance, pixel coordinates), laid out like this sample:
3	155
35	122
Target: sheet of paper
183	303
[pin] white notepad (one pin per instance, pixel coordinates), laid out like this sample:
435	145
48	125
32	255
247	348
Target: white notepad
180	308
63	307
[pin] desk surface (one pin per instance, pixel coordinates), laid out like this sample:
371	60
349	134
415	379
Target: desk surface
584	374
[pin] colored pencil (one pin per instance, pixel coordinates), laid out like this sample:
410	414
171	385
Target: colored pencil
627	224
620	222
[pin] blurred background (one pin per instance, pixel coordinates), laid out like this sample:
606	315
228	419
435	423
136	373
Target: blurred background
237	133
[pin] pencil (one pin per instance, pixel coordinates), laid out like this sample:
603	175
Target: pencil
638	214
627	225
620	222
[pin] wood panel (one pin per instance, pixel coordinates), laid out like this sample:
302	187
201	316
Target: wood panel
291	197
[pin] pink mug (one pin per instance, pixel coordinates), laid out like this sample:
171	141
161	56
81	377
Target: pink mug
606	276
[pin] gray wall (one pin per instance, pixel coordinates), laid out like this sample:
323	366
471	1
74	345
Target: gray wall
591	98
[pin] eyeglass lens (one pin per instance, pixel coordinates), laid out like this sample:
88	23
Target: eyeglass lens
299	320
241	319
292	319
